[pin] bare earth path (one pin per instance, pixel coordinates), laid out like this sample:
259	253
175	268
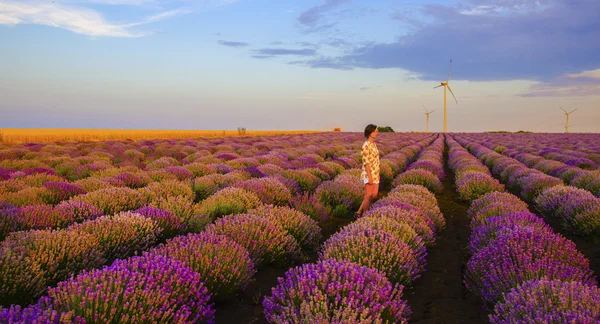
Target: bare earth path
439	296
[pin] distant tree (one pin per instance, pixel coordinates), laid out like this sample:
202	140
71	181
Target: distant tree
508	132
241	130
385	129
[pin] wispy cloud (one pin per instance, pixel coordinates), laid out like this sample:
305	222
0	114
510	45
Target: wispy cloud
77	19
580	84
369	88
112	2
233	44
285	51
160	16
311	18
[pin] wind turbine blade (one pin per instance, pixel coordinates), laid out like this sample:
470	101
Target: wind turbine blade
425	108
561	108
438	86
572	111
432	111
452	93
450	67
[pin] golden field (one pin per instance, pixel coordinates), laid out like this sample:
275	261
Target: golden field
51	135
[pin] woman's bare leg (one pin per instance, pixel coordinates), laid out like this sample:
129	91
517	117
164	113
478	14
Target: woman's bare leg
374	193
369	190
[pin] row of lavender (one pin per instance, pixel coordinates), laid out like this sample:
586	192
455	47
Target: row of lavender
571	170
364	267
428	170
577	209
518	265
244	221
178	281
34	259
573	149
267	241
45	200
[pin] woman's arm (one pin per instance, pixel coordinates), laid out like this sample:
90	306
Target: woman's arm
369	175
367	160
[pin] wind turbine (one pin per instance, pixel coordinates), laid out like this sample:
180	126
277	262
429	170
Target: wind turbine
427	113
447	85
567	121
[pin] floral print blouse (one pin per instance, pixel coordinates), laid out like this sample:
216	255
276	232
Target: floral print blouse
370	156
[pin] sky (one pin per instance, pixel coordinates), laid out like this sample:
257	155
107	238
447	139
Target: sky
264	64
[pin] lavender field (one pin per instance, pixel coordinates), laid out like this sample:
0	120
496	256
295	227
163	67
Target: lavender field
468	228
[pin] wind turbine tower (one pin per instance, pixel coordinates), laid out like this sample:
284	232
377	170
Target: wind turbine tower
567	121
447	85
427	113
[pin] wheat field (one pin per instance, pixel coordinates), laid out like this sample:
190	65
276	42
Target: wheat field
51	135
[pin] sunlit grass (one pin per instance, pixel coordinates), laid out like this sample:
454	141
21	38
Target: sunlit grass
49	135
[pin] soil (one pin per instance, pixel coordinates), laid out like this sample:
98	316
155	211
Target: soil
439	296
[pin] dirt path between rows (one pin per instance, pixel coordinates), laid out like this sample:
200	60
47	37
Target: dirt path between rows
439	296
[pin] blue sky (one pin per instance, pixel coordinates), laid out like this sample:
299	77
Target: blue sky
222	64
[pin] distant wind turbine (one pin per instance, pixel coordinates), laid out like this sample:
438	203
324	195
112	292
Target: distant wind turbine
427	113
567	121
447	85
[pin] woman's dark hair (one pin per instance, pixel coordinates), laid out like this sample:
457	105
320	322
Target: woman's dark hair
370	129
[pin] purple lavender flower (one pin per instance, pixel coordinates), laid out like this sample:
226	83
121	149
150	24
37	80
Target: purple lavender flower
420	176
418	197
472	185
266	240
270	190
11	219
549	301
578	209
402	230
59	191
533	185
69	212
149	288
305	230
39	170
5	173
413	217
224	265
310	205
304	179
229	201
523	254
376	249
171	225
227	156
130	180
492	227
38	313
179	172
434	167
504	198
334	291
342	196
120	235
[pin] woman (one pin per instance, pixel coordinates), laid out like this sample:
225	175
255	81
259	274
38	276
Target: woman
370	168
